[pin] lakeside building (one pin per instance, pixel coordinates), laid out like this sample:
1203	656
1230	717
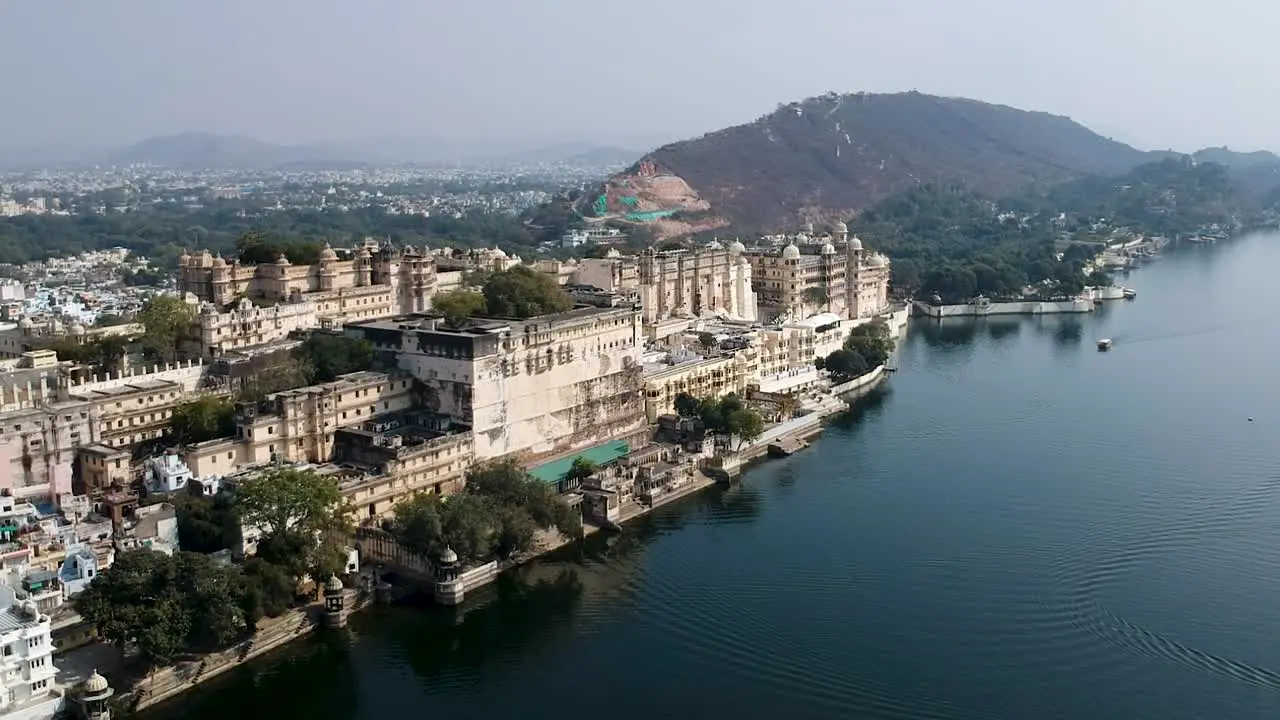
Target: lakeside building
531	388
775	360
811	275
363	427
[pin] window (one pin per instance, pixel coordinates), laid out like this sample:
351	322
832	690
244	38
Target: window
39	685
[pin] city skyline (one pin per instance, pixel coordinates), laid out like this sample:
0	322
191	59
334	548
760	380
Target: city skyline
293	73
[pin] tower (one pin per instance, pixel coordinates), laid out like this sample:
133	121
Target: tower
328	268
335	614
94	696
220	281
852	269
449	590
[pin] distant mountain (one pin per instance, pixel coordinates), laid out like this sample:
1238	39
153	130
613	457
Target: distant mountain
207	151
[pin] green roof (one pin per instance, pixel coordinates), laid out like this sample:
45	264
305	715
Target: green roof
554	471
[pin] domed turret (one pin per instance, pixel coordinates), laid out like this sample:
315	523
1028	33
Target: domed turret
327	254
498	253
96	684
282	260
790	252
184	259
855	243
828	249
613	253
362	253
218	262
840	227
737	247
448	556
334	585
877	260
714	245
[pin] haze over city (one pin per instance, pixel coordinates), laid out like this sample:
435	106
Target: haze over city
1170	74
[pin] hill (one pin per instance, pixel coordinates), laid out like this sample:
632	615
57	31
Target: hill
207	151
829	157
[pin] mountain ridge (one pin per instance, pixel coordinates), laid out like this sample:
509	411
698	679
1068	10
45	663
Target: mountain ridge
829	157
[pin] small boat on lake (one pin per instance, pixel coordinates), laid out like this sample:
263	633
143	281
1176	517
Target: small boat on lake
1130	293
1104	344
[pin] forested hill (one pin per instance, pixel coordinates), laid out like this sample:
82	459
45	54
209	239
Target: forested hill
951	240
832	156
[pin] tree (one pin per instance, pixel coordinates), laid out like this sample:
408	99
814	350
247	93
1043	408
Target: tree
285	498
205	418
746	424
207	525
458	305
523	292
687	405
325	356
708	341
416	523
872	341
1098	278
580	470
166	320
816	295
845	365
162	605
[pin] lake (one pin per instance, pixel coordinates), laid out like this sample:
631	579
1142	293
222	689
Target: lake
1015	526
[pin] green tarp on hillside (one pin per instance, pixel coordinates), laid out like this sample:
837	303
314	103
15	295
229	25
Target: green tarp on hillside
553	471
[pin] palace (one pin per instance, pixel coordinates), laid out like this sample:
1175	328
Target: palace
274	299
833	274
533	388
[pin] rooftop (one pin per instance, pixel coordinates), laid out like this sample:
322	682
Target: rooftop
553	471
488	325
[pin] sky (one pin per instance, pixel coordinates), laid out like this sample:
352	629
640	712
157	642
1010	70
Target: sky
1179	74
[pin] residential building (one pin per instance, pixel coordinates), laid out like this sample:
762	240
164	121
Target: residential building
27	687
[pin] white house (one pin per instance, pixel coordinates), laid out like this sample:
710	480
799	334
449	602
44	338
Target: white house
167	474
27	687
78	570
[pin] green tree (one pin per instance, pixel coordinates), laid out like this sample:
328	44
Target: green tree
285	498
816	295
746	424
845	365
523	292
416	523
580	470
328	355
166	320
162	605
708	341
458	305
207	525
205	418
687	405
872	341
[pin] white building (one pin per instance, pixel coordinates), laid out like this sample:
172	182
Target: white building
167	474
27	687
78	570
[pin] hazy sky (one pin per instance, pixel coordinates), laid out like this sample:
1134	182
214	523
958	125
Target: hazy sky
1167	73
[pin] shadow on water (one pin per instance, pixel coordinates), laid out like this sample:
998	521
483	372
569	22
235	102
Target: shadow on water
865	408
281	685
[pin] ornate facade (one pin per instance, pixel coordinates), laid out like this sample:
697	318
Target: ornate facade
369	281
709	281
534	388
836	276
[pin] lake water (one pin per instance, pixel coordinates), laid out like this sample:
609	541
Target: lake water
1017	526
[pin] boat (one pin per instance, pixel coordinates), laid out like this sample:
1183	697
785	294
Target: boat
1104	344
1130	294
